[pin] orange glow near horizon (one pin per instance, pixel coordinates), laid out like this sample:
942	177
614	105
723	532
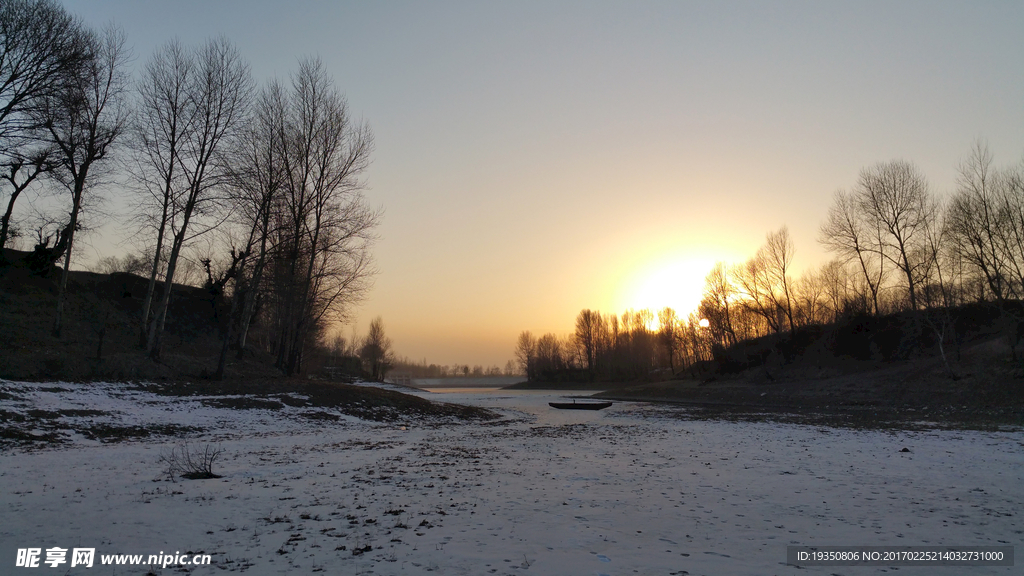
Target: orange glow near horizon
674	282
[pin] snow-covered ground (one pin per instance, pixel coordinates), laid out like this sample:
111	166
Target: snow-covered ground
634	489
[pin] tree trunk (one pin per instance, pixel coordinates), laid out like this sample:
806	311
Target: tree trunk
62	287
6	220
157	329
250	296
222	361
144	341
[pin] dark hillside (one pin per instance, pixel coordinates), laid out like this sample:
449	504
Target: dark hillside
100	340
895	337
101	329
888	368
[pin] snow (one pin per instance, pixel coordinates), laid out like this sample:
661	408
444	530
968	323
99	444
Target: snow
633	489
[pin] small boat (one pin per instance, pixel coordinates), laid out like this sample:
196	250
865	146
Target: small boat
574	405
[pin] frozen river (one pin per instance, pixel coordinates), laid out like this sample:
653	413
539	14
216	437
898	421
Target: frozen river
633	489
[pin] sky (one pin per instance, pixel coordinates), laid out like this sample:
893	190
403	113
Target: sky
536	158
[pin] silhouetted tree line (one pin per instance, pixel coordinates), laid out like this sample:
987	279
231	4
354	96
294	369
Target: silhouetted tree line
602	346
422	369
898	249
268	178
373	356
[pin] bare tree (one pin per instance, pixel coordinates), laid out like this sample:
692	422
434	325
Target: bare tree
1010	187
254	176
696	341
550	356
669	334
588	328
21	170
257	179
717	304
128	264
217	99
1010	190
808	299
40	44
84	118
526	353
778	258
322	258
845	233
41	47
164	122
376	351
893	196
753	282
835	282
765	281
974	220
636	354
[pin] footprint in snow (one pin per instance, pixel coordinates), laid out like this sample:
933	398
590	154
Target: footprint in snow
603	558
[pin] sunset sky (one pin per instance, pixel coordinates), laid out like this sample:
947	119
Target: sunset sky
537	158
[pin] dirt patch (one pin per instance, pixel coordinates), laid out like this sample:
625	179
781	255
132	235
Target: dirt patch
15	435
9	416
321	415
293	401
848	419
386	405
55	414
243	403
365	402
108	433
77	413
43	414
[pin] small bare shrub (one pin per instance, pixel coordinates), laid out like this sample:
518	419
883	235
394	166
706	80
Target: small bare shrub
190	461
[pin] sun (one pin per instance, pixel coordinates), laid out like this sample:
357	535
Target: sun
677	283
